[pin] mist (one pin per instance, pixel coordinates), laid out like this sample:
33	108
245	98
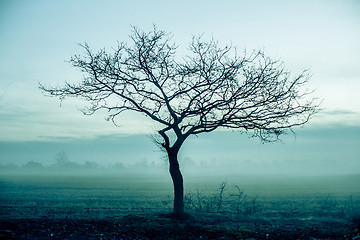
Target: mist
311	151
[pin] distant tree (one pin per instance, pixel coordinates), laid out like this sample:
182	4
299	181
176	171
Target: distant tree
213	87
63	162
32	165
62	158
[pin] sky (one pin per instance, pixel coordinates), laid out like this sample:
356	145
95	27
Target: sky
38	37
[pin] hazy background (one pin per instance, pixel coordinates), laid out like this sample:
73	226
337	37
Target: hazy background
37	37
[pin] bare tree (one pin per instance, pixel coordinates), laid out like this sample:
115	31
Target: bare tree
62	159
212	87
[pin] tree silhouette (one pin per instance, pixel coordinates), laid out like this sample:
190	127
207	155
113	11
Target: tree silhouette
62	159
212	87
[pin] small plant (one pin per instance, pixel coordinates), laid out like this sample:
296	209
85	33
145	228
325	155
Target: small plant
221	194
252	207
199	202
236	202
239	199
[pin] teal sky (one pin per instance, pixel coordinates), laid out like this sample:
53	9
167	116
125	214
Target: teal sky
37	37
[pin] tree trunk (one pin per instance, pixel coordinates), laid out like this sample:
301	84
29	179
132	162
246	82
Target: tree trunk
178	184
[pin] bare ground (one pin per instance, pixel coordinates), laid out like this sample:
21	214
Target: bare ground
161	226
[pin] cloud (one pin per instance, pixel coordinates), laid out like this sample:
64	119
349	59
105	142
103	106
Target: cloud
340	112
333	117
28	115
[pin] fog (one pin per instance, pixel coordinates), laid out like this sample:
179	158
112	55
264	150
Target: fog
311	151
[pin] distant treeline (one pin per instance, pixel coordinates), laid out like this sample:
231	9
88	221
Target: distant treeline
32	167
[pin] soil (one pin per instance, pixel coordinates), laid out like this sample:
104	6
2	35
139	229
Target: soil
161	226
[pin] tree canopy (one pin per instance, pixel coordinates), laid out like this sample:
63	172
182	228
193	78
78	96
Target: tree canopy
212	87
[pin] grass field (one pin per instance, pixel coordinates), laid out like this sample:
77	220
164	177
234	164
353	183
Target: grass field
129	207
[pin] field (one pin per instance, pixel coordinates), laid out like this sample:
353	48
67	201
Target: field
129	207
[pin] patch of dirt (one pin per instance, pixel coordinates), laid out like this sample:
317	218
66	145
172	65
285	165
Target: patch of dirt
161	226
